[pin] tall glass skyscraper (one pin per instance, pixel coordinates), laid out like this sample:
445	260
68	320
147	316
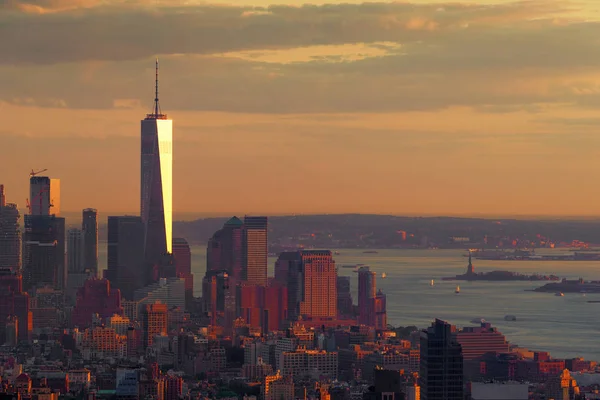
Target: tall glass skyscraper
89	226
156	200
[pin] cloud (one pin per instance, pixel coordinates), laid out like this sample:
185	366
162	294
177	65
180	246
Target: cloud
79	30
333	58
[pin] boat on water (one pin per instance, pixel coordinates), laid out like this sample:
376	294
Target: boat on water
559	294
370	252
384	275
457	291
432	283
510	318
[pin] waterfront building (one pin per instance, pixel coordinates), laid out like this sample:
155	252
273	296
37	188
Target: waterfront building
89	227
10	234
441	371
156	195
367	289
255	250
379	310
344	297
477	341
126	254
319	284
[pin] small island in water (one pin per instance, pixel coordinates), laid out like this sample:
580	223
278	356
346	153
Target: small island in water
571	286
498	276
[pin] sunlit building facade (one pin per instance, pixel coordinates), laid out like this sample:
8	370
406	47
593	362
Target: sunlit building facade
255	250
44	196
156	197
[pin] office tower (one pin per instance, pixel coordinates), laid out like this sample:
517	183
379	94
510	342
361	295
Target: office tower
44	236
156	201
89	226
14	302
441	370
74	251
96	297
285	262
344	296
154	322
44	195
182	257
367	288
224	255
379	309
126	268
44	252
312	285
263	307
10	234
255	250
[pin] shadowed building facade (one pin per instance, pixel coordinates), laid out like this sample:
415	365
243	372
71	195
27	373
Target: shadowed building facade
10	234
441	369
89	227
126	268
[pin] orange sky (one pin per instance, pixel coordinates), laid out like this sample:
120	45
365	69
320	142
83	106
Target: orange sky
424	108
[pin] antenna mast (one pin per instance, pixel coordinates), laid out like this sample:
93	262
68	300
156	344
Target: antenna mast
156	105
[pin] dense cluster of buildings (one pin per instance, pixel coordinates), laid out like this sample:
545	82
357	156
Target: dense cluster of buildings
133	330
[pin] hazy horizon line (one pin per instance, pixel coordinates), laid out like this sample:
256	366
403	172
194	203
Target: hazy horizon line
191	215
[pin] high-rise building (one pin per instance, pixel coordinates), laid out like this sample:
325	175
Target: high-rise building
96	297
441	371
367	289
255	250
182	256
14	302
154	321
10	234
263	307
156	197
44	195
89	226
126	267
44	237
312	285
344	296
379	309
44	251
74	251
225	250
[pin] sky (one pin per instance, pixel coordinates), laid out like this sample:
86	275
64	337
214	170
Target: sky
410	108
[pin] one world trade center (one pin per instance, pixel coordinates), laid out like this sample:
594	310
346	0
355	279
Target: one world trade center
157	182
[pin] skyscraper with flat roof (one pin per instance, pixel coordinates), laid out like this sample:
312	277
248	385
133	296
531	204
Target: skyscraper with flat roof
441	371
255	250
319	284
89	227
126	255
44	195
74	251
44	252
182	256
156	196
10	234
367	289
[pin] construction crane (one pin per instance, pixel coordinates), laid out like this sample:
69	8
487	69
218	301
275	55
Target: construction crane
34	173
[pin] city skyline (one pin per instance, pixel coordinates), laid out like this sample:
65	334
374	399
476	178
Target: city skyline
409	123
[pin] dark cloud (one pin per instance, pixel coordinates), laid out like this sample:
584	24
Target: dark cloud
122	30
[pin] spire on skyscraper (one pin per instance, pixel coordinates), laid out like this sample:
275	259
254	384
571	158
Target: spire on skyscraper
156	111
